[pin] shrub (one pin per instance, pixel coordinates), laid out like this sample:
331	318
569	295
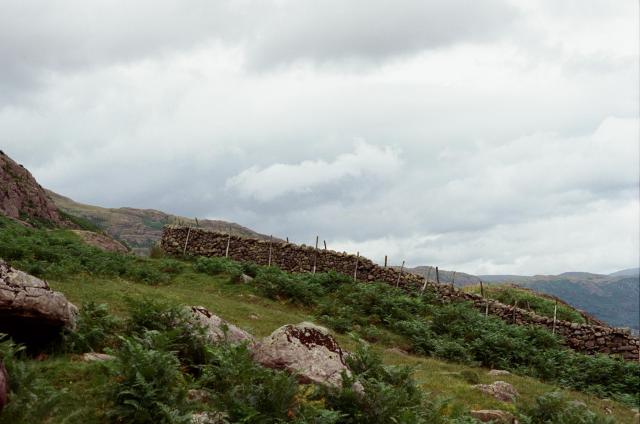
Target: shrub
156	252
390	394
60	253
185	336
245	390
470	377
32	398
553	408
300	288
147	385
216	266
95	329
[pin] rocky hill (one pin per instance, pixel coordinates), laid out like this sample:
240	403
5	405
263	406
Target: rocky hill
21	197
141	228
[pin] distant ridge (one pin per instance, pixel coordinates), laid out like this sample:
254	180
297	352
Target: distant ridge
631	272
613	298
141	228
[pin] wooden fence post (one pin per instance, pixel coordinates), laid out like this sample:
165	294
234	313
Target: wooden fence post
355	272
269	264
437	276
486	309
184	251
325	245
513	314
481	289
453	280
315	256
226	253
400	274
555	316
385	261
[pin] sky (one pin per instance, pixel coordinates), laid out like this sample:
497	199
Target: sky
493	137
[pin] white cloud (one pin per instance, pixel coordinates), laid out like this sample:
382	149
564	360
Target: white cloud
514	143
276	180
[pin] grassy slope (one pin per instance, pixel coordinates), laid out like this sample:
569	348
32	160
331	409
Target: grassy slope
241	306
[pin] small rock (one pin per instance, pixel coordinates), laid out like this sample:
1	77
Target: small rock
492	415
209	418
97	357
198	395
246	278
254	316
305	349
500	390
218	329
499	372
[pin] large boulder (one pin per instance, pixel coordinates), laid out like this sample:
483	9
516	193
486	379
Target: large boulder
30	312
305	349
218	329
4	386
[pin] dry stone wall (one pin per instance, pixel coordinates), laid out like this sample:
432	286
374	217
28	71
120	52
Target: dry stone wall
300	258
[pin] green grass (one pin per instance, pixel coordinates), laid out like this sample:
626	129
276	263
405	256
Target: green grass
85	274
527	299
241	305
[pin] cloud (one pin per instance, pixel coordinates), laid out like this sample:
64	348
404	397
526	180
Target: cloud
497	136
334	31
366	161
41	39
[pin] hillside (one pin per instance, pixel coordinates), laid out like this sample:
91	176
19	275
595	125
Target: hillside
126	300
141	228
613	298
21	197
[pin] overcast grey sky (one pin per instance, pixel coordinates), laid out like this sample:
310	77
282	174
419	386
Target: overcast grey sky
488	136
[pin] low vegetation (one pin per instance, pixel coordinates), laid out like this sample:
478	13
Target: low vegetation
528	299
161	354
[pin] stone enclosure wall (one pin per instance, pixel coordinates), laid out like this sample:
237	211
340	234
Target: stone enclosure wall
300	258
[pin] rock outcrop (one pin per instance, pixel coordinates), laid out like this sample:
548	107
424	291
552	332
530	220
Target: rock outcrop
305	349
500	390
101	241
21	197
30	312
218	329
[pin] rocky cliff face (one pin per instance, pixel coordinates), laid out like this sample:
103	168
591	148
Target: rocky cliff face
21	197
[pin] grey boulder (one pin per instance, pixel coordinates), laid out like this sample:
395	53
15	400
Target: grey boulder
218	329
29	310
305	349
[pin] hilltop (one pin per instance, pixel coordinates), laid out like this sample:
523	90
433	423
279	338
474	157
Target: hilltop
141	228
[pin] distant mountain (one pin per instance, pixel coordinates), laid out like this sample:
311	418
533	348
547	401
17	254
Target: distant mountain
141	228
631	272
460	279
613	298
